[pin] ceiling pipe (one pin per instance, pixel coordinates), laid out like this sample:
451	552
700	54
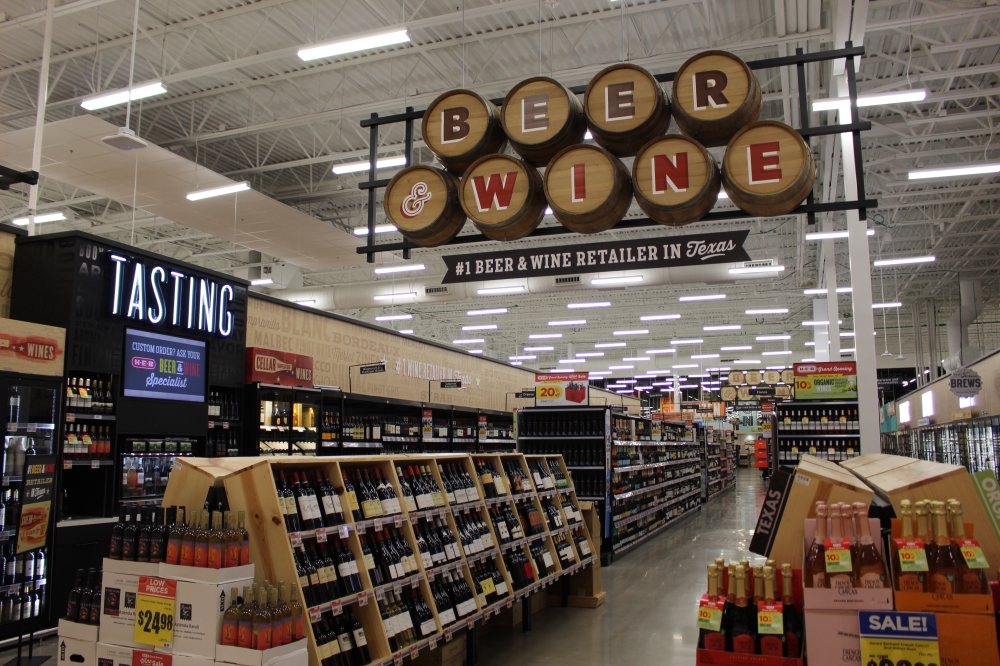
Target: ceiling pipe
960	352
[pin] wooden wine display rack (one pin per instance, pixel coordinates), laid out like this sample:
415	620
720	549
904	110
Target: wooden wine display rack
250	487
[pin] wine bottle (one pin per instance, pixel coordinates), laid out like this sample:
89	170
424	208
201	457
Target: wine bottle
740	637
73	605
945	572
707	638
973	581
231	620
908	581
921	510
117	534
772	645
870	568
791	618
814	569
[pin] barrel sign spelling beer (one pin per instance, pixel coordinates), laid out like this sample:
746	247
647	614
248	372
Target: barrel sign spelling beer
625	108
503	196
714	95
460	126
768	169
423	202
588	188
676	180
541	117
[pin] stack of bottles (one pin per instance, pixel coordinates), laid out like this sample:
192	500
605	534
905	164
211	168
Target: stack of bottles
211	539
936	555
24	579
755	616
858	563
561	424
145	476
406	618
340	640
84	605
327	571
308	504
263	617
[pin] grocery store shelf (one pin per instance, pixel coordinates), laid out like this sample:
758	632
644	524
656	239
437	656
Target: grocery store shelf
643	491
658	507
601	467
667	463
659	529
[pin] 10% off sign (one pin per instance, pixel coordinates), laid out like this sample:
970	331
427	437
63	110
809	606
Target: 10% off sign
154	611
898	639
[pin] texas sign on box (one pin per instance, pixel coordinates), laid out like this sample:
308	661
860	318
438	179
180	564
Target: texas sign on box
562	389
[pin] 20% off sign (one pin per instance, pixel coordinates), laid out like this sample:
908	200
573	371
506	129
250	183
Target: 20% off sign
898	639
154	611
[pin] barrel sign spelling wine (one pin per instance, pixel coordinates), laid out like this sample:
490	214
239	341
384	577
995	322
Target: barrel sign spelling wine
503	197
423	202
541	117
460	126
676	180
588	188
768	169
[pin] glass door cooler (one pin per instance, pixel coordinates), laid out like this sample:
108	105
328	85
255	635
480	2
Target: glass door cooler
288	422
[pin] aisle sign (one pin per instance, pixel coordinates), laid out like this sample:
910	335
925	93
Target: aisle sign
154	611
895	639
965	383
562	389
36	502
826	381
656	431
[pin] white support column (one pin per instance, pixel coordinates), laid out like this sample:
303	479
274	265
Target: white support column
832	302
821	335
43	96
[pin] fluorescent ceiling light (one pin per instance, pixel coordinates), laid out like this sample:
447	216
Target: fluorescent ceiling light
308	301
782	352
561	370
749	270
847	334
572	360
726	327
702	297
354	167
774	367
747	361
523	357
737	348
608	345
831	235
590	354
379	229
808	360
643	388
667	350
687	341
817	322
489	291
840	290
684	365
849	350
684	386
540	349
568	322
491	311
694	356
635	358
468	341
663	383
475	351
624	279
904	260
405	331
627	381
772	338
620	367
897	97
954	172
625	392
886	305
47	217
389	297
260	282
367	43
399	269
720	369
116	97
198	195
516	363
580	306
701	376
637	331
600	372
766	311
810	344
481	327
659	317
395	317
544	336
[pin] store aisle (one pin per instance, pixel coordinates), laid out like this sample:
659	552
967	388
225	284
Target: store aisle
649	614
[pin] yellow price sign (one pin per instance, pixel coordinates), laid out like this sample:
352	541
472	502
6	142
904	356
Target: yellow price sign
553	392
770	618
709	616
154	611
973	555
488	586
838	560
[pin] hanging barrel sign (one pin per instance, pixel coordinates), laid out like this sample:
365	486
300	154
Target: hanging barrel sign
588	188
423	202
714	95
460	126
676	180
625	108
503	196
768	169
541	117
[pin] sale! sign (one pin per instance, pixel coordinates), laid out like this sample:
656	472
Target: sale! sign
826	381
562	389
154	611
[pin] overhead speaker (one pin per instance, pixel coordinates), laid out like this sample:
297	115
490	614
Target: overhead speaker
125	139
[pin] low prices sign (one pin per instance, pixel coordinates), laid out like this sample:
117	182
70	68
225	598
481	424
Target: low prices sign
826	381
154	611
562	389
268	366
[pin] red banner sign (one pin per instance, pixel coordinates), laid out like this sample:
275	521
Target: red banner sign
274	367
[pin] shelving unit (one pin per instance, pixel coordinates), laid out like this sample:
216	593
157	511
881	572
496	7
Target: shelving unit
971	443
252	488
826	430
718	461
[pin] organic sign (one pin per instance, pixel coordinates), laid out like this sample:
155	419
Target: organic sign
826	381
965	383
562	389
690	250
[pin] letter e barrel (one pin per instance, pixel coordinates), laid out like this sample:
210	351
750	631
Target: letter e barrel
625	108
714	95
768	169
676	181
423	202
503	196
588	188
461	126
541	117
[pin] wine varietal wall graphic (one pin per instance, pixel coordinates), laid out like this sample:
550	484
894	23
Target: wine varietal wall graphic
666	252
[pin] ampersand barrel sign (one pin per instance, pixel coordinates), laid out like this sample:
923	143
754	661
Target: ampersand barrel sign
714	95
423	202
676	180
588	188
768	169
541	117
460	126
625	108
503	196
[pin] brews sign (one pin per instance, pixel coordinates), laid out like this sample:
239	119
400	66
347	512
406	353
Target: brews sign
691	250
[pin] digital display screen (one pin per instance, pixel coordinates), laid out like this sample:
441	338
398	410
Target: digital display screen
163	366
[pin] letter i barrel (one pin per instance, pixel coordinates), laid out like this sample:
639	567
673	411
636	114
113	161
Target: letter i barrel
768	169
461	126
676	181
541	117
588	188
714	95
625	108
423	202
503	196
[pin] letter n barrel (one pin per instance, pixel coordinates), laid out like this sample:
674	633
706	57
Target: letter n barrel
768	169
461	126
423	202
714	95
676	181
503	196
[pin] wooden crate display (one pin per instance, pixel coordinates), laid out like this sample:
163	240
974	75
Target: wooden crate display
251	487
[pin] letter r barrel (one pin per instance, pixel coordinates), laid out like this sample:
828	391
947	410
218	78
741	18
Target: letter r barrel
714	95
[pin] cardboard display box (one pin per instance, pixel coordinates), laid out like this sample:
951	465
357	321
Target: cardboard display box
293	654
453	653
73	652
855	598
119	586
833	638
198	618
77	631
715	658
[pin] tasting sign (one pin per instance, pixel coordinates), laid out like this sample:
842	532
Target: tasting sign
562	389
667	252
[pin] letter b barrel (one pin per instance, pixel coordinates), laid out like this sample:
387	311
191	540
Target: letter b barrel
461	126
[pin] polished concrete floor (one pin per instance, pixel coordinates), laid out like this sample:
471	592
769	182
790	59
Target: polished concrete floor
652	595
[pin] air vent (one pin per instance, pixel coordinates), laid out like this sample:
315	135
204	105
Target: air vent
757	264
435	290
575	279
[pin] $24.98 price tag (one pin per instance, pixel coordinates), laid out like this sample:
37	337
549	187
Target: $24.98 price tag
154	611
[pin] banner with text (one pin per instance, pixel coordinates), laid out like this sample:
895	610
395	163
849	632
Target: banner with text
562	389
667	252
826	381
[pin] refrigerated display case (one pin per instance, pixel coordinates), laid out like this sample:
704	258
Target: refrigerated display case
288	420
